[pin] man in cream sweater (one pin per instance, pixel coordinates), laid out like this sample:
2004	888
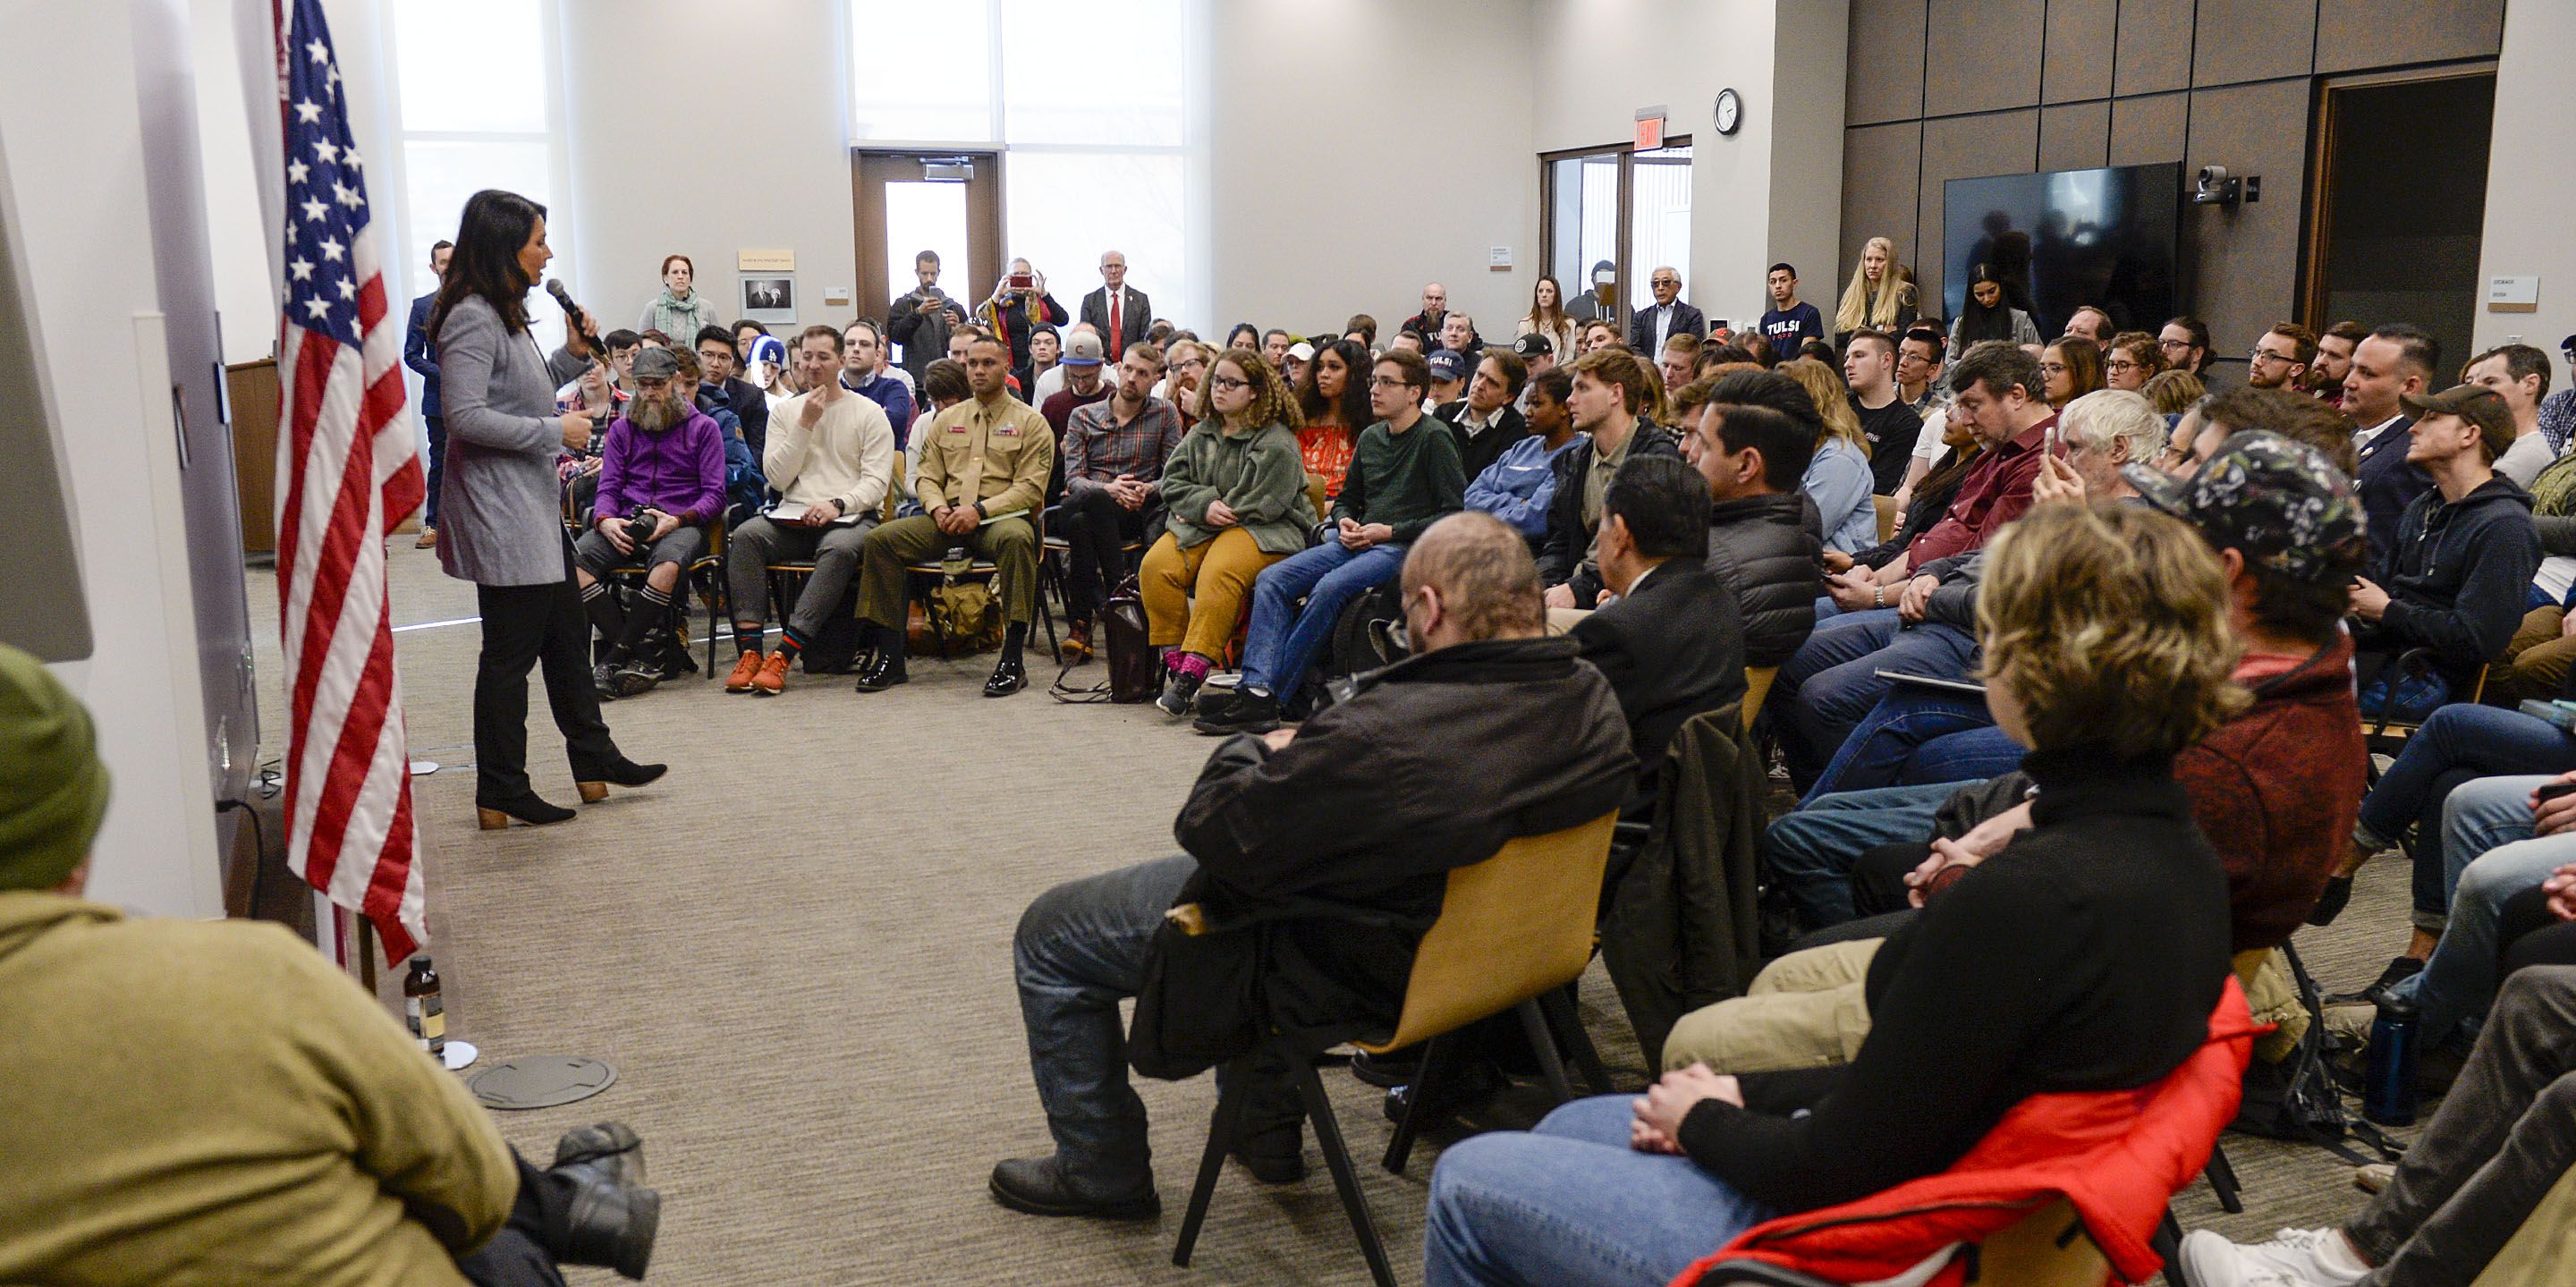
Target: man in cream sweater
830	458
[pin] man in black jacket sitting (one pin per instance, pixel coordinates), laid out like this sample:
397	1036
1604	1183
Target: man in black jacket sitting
1318	856
1751	437
1672	643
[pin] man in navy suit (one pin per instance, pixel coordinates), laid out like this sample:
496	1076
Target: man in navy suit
1667	317
420	357
2396	360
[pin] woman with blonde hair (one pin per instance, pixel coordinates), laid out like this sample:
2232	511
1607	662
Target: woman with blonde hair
2046	970
1546	316
1838	477
2132	359
2173	392
1234	498
1880	296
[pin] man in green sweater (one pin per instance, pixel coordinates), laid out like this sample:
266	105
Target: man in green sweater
210	1102
1401	481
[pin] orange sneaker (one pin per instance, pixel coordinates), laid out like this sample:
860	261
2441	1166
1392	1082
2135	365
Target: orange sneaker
740	680
772	678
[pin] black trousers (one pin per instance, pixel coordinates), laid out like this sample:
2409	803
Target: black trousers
517	1256
437	426
539	626
1097	528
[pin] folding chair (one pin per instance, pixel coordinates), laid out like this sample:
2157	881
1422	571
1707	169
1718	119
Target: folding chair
920	577
1757	685
1513	930
1888	516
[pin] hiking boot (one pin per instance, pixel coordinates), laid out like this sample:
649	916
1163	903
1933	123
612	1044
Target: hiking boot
611	1149
772	679
744	668
1076	644
1180	690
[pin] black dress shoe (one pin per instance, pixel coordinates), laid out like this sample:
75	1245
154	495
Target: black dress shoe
2330	903
604	1224
885	670
1036	1186
1009	676
612	1150
527	807
1390	1070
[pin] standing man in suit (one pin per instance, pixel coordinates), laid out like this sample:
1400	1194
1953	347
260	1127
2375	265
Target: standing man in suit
422	358
1668	316
2395	361
1119	314
1672	643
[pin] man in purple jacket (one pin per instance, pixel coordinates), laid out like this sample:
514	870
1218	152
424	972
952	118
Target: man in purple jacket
661	485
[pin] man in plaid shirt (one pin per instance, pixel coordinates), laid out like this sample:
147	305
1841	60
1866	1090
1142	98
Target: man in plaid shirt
1113	453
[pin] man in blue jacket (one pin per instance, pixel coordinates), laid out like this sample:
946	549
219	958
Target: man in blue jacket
420	356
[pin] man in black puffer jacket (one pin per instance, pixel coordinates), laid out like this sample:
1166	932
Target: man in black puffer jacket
1765	538
1612	394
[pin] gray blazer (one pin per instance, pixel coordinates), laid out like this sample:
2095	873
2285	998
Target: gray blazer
500	505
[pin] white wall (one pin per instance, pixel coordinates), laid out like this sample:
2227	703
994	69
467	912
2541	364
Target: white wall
1362	148
243	297
82	215
1773	190
2530	187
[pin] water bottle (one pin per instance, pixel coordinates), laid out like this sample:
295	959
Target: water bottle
2388	1089
422	1009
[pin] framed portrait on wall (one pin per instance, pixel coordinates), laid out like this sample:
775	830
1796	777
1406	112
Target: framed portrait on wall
769	298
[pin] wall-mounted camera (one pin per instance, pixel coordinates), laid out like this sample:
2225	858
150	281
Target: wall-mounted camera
2216	187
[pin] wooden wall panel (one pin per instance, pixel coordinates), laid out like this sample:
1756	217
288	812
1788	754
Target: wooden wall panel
2244	40
2082	38
1982	55
2074	136
2356	35
2155	47
2148	129
1885	80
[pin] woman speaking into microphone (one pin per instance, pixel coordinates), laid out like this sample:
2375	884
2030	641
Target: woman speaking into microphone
501	514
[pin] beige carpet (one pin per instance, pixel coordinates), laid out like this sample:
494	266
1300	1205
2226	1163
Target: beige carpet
796	951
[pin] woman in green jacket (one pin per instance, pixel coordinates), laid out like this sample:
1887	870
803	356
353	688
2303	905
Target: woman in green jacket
1235	503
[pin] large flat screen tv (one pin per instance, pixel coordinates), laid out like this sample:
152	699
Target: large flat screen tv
2066	239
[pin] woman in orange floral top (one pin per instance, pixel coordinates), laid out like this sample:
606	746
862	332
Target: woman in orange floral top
1337	407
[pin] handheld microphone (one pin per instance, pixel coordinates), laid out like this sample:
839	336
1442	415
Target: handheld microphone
572	316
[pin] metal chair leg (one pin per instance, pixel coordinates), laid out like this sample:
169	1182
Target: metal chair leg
2222	1181
1346	1180
1558	1006
1400	1148
1544	1043
1228	1122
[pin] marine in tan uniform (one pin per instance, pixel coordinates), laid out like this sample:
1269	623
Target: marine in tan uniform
983	479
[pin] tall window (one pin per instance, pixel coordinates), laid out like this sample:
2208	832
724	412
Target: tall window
476	113
1090	103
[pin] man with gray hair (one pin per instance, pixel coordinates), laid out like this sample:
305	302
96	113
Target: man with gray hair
1517	736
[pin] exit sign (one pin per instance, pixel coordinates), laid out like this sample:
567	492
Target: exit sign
1650	128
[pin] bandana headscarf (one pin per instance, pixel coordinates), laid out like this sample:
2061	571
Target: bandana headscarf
53	789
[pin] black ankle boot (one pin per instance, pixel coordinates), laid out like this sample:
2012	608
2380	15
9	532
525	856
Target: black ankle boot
495	812
604	1224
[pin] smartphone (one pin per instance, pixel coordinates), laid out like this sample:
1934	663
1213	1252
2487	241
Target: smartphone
2054	442
2553	791
1023	281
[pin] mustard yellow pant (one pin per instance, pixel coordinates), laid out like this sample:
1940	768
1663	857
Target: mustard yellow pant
2536	661
1217	573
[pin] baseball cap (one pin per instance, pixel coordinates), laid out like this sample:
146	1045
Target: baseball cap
2475	403
2277	501
769	349
1082	348
1302	351
1533	345
657	364
1448	364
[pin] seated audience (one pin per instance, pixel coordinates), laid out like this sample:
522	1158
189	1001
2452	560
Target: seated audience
2280	357
1185	367
1679	362
1280	827
1449	372
2089	323
2519	374
2539	656
2069	369
983	478
2044	970
1987	316
1519	485
213	1101
661	490
866	372
1235	502
831	459
2476	1173
1598	333
1748	437
2334	362
1671	644
720	358
1404	476
2186	345
1611	395
1114	455
2455	576
2173	392
1889	428
2130	360
943	385
1839	479
1335	401
2395	360
1484	423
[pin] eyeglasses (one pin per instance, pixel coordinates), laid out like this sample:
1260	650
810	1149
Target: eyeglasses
2121	364
1229	382
2174	346
2052	368
1387	382
2260	354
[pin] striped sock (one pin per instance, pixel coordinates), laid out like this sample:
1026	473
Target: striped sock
791	641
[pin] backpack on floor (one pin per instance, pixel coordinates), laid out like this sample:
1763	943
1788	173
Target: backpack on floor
2296	1098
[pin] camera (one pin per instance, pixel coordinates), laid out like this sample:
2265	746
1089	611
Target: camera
2216	187
639	527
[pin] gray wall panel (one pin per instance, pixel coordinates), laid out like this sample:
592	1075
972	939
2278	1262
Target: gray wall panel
1879	192
2155	47
1966	147
2148	129
2080	50
2355	35
2242	40
2241	264
1983	55
2074	136
1885	82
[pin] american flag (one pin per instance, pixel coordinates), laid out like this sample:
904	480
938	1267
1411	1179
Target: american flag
346	451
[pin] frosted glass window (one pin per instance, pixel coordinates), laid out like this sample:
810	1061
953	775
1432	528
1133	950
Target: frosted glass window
1659	225
1065	208
460	75
1102	74
921	72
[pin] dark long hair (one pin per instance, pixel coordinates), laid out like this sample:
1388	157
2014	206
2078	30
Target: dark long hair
489	236
1354	405
1978	322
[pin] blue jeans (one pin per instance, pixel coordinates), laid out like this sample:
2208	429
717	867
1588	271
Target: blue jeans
2486	832
1906	738
2460	742
1081	948
1835	677
1810	852
1569	1204
1283	639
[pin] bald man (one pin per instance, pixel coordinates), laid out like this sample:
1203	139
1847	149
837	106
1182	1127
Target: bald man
1520	738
